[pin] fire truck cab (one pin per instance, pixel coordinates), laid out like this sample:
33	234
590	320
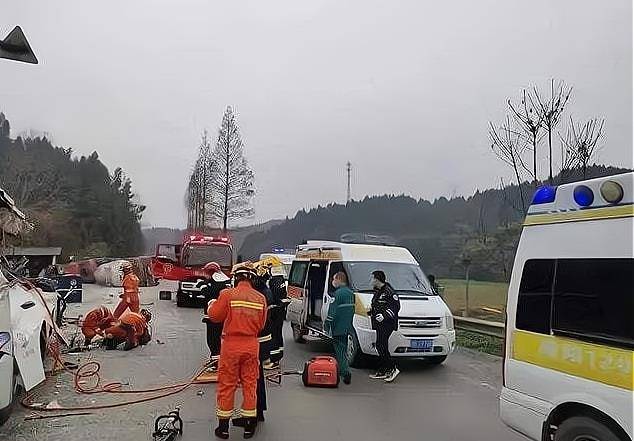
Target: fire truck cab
184	263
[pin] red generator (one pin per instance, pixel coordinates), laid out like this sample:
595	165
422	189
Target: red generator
321	371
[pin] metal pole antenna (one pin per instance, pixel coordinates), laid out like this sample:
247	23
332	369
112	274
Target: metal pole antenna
348	169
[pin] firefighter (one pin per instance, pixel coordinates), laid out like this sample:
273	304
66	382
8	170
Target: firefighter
216	282
265	339
95	322
243	311
278	290
132	329
130	296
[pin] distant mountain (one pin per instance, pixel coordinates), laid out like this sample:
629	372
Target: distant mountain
484	227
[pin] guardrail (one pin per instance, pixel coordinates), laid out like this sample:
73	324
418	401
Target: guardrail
493	329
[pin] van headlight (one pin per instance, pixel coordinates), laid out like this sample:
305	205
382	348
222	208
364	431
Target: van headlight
449	322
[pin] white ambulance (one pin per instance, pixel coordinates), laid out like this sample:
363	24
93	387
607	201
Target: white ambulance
426	328
570	317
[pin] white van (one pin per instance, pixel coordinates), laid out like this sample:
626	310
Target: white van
426	327
570	329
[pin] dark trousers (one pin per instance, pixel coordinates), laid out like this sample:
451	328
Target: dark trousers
340	342
214	337
277	348
261	392
386	362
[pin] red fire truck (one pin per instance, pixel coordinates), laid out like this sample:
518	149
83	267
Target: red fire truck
184	263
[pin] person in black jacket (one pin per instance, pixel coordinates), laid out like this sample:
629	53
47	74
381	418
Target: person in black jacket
384	315
216	282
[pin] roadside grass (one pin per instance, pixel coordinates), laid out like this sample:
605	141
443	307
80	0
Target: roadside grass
487	300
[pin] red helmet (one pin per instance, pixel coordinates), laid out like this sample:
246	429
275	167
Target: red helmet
212	267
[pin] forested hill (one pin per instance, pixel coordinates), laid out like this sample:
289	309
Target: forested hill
484	227
75	203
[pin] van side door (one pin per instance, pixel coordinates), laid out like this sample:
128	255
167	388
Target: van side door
329	292
297	292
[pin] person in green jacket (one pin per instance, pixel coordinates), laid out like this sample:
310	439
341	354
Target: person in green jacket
339	322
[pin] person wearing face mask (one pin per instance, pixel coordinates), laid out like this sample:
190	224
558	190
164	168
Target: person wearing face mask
384	315
339	322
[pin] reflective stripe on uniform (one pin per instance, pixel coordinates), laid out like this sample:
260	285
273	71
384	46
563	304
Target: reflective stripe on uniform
276	351
265	338
249	413
245	304
224	413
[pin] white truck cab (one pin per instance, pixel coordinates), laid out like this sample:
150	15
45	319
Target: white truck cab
426	327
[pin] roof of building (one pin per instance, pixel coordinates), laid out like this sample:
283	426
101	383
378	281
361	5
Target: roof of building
33	251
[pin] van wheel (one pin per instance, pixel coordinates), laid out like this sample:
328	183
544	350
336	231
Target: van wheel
353	352
298	334
584	429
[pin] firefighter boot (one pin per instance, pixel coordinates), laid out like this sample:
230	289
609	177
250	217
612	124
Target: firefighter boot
222	431
249	427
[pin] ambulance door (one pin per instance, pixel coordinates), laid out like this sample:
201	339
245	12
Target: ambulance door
329	292
297	292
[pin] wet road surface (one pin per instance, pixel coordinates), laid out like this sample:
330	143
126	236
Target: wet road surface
452	402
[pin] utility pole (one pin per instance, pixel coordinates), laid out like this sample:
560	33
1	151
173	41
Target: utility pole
348	169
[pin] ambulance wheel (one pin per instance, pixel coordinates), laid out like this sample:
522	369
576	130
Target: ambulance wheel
180	301
298	334
353	351
582	428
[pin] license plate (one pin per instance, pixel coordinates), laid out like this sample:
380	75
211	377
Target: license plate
422	344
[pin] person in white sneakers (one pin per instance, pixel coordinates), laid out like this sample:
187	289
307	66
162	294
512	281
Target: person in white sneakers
384	315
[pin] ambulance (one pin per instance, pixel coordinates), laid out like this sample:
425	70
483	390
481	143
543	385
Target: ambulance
570	315
426	328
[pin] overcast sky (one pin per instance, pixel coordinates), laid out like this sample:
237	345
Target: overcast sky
403	90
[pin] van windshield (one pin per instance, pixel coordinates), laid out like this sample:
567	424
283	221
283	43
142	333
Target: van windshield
405	278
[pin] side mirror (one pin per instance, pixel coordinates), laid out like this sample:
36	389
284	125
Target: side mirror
28	304
15	47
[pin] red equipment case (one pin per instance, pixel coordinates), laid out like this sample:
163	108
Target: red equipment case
321	371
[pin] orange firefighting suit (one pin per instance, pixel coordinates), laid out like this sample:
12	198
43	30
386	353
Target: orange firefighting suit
130	296
243	311
96	321
131	328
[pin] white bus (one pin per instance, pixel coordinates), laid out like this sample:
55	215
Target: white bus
570	329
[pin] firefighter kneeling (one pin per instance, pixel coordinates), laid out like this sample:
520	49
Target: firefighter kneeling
243	311
131	329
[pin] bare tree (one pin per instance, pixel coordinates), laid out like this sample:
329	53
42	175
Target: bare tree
198	198
582	140
508	146
529	122
550	112
232	181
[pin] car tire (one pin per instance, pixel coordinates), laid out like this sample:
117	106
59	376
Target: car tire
354	354
584	428
436	359
298	333
6	412
181	302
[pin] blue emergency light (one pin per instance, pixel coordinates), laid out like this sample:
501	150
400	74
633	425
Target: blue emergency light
278	250
544	195
583	195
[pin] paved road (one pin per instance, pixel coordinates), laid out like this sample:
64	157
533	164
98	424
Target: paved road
453	402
